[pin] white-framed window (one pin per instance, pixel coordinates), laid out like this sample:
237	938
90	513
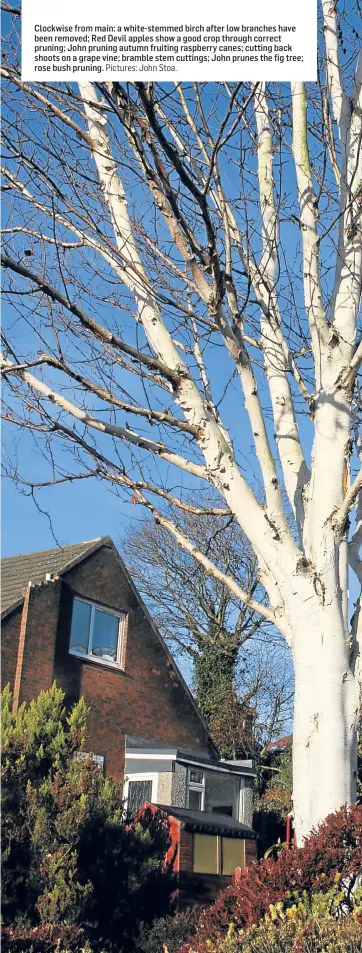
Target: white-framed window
196	789
97	632
139	788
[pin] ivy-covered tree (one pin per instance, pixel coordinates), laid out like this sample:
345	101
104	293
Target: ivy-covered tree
230	715
70	853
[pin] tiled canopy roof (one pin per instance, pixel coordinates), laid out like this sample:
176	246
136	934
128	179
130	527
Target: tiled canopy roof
18	571
209	823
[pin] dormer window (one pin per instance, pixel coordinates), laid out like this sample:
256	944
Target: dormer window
196	789
97	633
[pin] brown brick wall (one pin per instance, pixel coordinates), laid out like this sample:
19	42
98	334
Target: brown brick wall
40	639
199	889
147	699
10	629
186	851
202	888
37	669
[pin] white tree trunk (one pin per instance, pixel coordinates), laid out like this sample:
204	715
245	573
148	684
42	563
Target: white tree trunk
325	714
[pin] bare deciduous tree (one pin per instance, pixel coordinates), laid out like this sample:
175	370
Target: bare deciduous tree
240	664
183	266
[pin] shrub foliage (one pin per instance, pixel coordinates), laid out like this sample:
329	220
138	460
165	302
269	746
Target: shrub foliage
52	939
70	854
335	848
300	932
169	933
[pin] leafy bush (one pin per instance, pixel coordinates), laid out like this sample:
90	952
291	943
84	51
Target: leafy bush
70	854
311	936
20	939
275	791
169	932
310	924
335	847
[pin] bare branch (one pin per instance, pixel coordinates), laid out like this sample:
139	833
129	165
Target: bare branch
88	322
121	432
213	570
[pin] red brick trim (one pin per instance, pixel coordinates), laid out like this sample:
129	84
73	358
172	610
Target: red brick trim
21	646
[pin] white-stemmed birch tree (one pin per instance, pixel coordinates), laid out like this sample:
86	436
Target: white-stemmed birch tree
183	270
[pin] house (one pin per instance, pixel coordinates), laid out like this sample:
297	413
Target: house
209	804
281	745
74	615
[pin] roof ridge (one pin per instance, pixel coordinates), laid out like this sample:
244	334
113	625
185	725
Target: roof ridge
18	571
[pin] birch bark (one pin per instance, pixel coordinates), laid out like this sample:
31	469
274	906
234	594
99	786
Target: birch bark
326	706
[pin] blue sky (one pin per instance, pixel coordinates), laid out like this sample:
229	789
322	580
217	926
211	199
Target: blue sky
78	511
88	509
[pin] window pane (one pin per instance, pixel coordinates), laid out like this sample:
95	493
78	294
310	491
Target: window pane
196	777
221	790
138	793
205	854
195	800
232	855
105	635
79	635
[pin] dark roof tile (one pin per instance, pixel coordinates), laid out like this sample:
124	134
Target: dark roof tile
209	823
18	571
